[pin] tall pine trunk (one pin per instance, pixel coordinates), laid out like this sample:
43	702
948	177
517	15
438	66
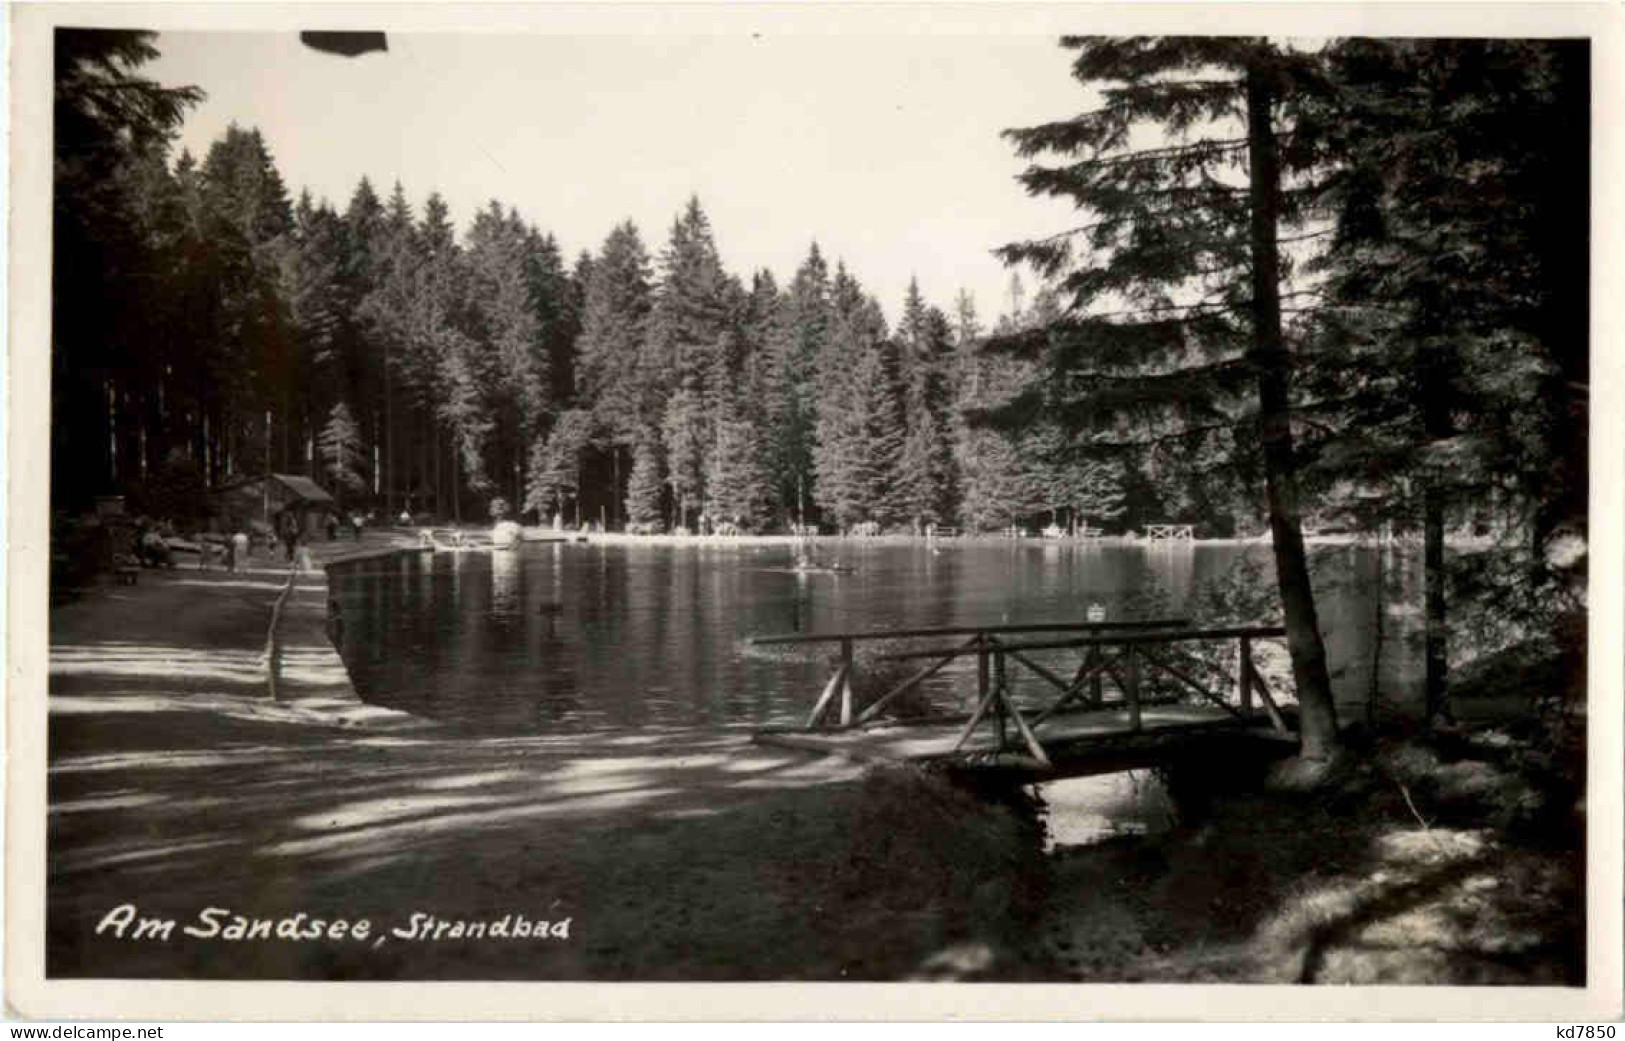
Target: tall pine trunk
456	483
1436	655
1317	710
389	447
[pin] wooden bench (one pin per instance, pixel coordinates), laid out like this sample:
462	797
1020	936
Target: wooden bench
126	574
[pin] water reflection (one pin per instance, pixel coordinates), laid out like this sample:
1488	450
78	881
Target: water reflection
1086	810
505	598
554	637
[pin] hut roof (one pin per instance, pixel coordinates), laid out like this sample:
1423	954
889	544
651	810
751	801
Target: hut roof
302	489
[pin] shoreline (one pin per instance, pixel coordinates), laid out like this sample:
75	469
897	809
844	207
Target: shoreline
617	538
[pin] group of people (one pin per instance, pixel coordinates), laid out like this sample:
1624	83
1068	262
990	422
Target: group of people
150	548
356	524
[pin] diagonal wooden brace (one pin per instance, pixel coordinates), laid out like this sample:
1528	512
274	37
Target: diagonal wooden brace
834	684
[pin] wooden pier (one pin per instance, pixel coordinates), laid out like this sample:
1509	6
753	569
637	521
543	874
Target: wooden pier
1137	696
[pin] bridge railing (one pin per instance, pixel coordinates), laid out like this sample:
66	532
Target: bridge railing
1127	653
838	690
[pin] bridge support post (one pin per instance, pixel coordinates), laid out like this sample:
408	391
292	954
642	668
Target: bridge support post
981	670
846	683
1244	676
1131	683
1097	681
1003	689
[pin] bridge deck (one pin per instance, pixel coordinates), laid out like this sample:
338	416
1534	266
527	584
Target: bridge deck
1078	743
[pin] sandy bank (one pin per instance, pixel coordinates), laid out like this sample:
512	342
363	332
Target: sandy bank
177	785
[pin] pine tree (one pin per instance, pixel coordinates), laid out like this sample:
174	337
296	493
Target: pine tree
555	461
1454	358
643	487
556	300
242	188
689	312
512	372
859	430
1175	303
340	446
436	318
1088	489
1001	487
737	482
792	369
614	326
687	329
385	310
925	473
685	435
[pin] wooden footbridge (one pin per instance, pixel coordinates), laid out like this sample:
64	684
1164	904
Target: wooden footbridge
1141	693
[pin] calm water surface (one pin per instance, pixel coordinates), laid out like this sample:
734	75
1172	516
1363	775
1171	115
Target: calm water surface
553	638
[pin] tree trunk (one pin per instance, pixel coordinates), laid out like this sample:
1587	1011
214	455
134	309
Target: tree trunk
1379	595
456	483
1436	654
389	447
1317	710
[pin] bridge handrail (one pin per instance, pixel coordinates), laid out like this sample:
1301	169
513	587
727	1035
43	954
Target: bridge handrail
968	630
1259	632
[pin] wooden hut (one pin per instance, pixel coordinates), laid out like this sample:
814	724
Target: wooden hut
270	500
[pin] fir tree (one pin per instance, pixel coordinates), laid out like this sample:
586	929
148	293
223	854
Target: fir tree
1175	304
614	326
555	461
690	308
859	430
341	451
613	329
385	309
1453	361
798	343
643	487
687	328
737	483
512	372
686	436
925	472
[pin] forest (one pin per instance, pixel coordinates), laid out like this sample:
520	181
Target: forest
210	323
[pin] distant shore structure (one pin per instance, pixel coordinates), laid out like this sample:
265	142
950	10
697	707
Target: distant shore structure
1169	532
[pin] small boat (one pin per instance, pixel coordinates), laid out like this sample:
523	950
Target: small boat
805	565
823	569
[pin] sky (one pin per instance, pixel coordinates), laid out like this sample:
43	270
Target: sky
885	149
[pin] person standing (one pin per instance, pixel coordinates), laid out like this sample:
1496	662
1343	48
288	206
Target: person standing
239	550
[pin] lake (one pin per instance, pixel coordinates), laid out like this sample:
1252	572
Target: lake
568	637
